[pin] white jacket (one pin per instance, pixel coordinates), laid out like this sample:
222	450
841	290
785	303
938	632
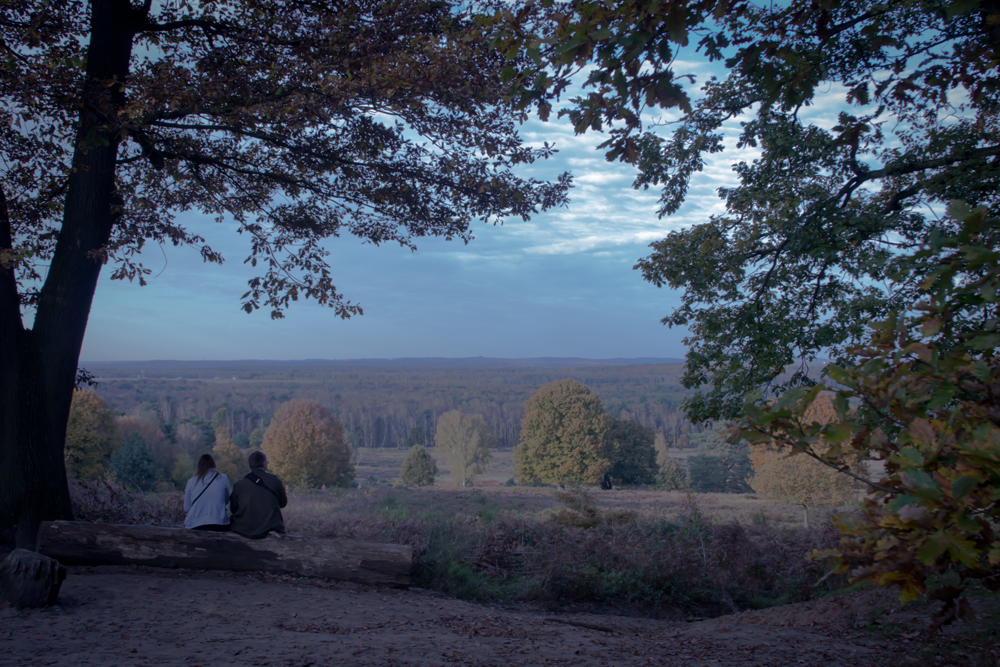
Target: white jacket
211	506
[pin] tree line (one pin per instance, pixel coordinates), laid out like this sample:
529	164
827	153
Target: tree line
381	405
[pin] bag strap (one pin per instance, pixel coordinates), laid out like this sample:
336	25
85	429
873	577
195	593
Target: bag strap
256	479
205	489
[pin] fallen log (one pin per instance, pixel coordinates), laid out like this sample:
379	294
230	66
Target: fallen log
79	543
28	579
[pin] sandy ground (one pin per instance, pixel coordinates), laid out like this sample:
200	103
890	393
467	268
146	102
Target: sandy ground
127	616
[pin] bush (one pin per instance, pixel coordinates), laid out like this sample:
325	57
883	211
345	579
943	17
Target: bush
672	476
134	463
109	501
419	468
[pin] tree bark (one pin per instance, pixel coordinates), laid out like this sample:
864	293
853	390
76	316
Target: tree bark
78	543
38	365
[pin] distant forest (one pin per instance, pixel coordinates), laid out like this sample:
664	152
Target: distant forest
379	402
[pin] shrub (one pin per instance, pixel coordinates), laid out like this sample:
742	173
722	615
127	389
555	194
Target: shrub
672	476
419	468
109	501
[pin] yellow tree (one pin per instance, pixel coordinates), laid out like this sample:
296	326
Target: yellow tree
305	446
229	458
801	480
90	435
464	441
563	435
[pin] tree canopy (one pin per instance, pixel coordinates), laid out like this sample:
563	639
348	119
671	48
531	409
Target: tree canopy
90	436
305	446
563	435
293	121
928	388
807	250
465	442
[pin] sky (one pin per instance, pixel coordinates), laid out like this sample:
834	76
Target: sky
559	285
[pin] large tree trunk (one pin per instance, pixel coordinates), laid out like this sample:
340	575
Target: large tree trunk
78	543
38	366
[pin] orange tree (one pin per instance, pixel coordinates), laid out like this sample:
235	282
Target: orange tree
298	121
305	446
927	390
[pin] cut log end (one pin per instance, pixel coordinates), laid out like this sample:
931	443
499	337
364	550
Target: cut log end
29	579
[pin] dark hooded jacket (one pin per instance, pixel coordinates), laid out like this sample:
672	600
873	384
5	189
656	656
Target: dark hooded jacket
256	506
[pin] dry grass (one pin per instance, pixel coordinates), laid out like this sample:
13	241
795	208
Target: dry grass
108	501
655	552
662	553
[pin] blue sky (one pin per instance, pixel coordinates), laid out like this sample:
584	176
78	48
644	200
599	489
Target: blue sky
561	284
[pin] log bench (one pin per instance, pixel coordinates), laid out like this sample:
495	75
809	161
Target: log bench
79	543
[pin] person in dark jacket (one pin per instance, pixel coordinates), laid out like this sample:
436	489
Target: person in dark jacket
257	500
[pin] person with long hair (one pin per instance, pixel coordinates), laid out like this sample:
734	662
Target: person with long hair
206	496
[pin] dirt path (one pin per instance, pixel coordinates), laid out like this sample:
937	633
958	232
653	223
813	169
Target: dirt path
146	616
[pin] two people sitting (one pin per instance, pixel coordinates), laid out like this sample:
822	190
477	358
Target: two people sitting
255	501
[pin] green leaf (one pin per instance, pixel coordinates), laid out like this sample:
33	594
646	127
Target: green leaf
984	342
909	457
932	549
964	485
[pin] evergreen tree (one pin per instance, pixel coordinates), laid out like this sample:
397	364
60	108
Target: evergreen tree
133	462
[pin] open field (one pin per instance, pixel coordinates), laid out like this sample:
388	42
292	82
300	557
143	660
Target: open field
383	465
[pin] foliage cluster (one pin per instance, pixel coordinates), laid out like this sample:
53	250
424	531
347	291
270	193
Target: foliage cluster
419	467
788	479
305	446
566	436
388	404
718	467
806	252
90	436
133	462
928	386
465	442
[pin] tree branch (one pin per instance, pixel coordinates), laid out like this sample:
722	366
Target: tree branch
808	452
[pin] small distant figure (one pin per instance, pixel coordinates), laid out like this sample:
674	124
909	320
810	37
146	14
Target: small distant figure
205	498
323	488
606	482
257	501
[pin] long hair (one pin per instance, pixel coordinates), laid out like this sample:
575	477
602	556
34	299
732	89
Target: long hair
205	463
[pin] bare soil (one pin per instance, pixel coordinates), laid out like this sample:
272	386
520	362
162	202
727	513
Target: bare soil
150	616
